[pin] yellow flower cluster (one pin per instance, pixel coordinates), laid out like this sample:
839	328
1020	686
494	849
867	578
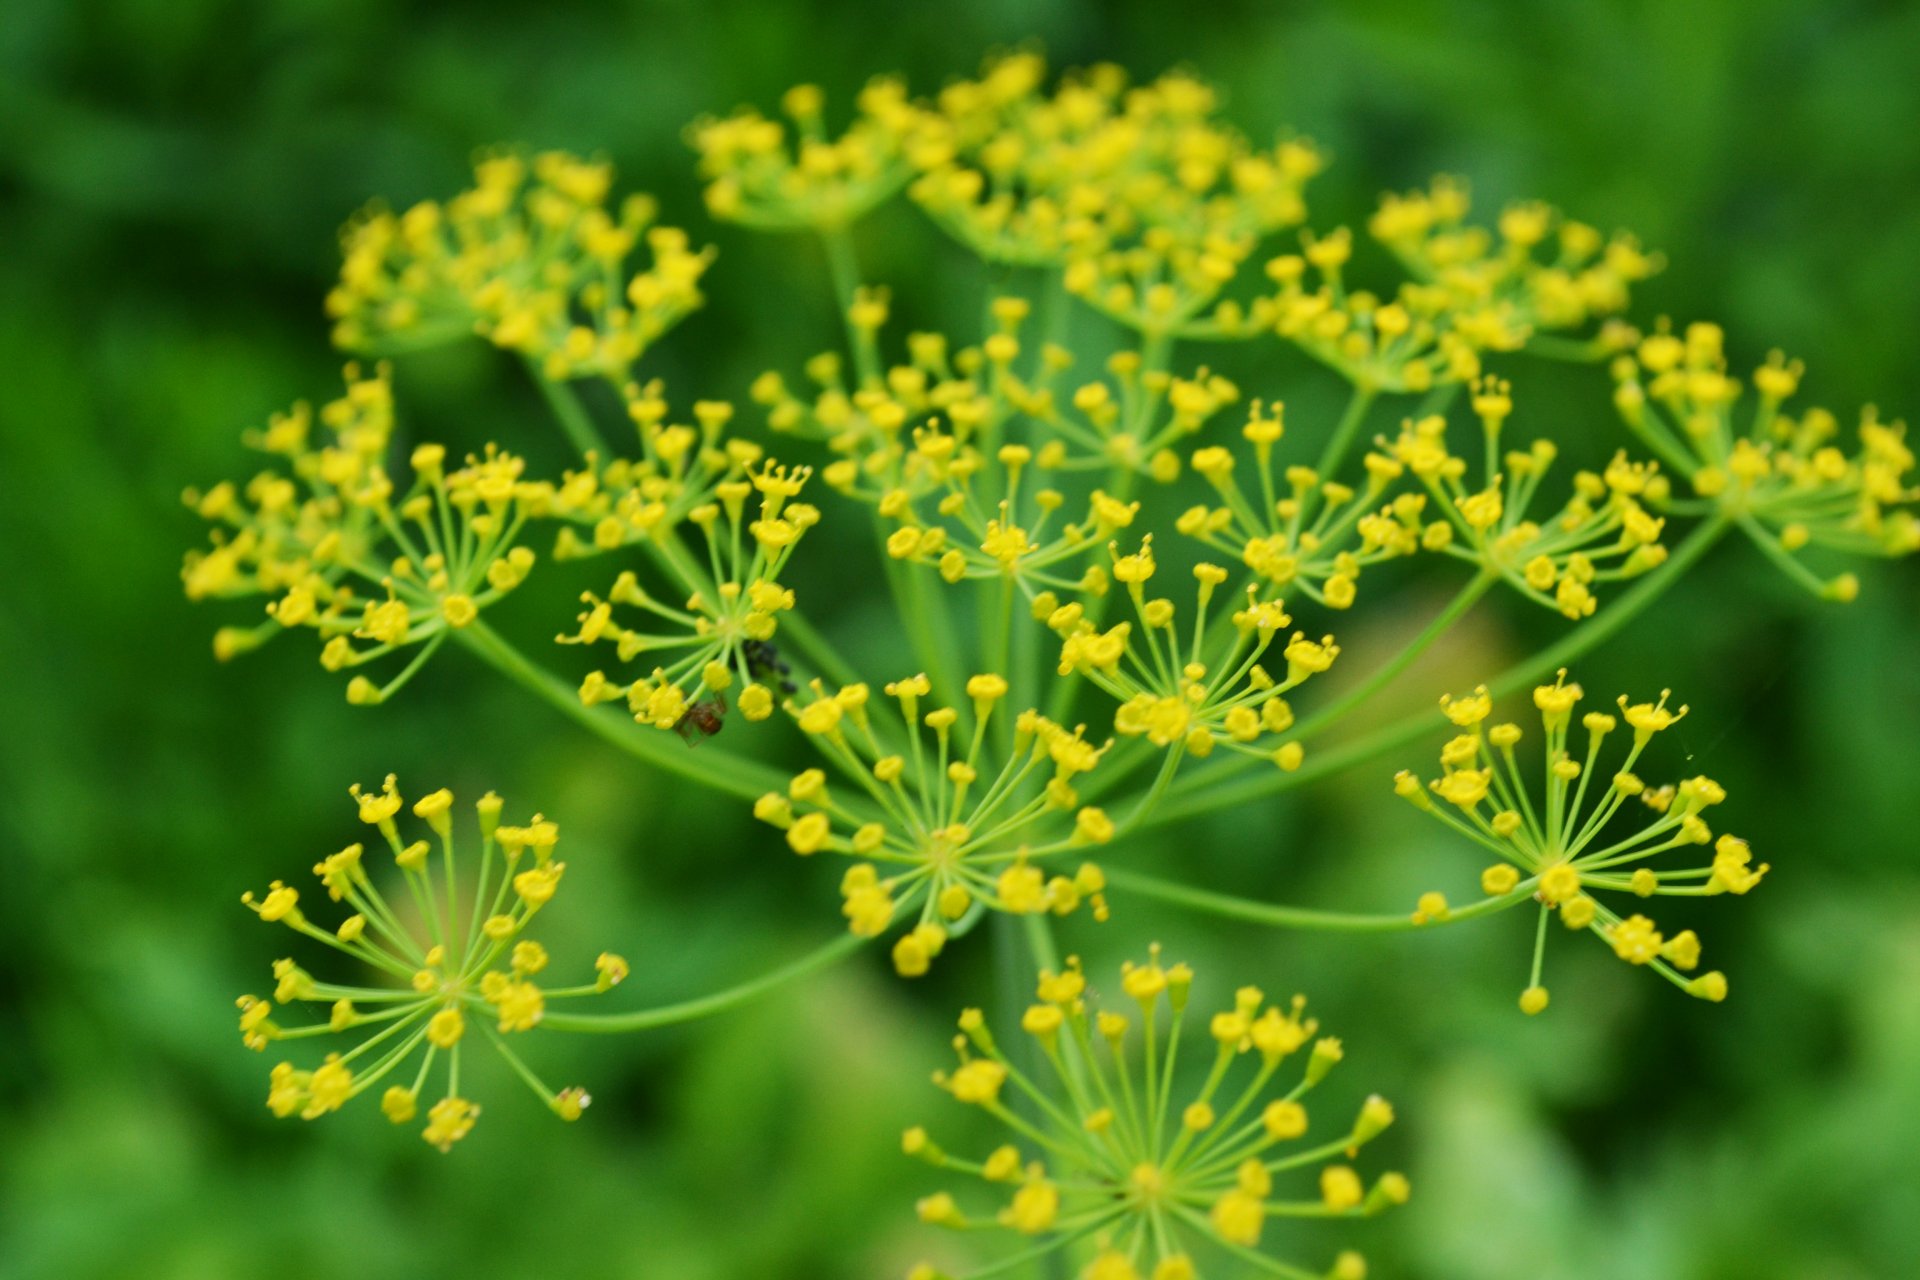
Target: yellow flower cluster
942	442
450	963
1143	197
646	500
333	529
1786	479
1189	694
1602	534
1472	291
1039	465
1113	1159
532	257
1301	530
724	631
759	176
1560	851
952	820
1534	270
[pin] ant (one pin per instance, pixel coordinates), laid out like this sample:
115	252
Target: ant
701	720
765	663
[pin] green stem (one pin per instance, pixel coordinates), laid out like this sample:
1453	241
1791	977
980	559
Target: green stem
709	765
1345	430
1285	917
705	1006
845	267
573	416
1039	930
930	627
1201	795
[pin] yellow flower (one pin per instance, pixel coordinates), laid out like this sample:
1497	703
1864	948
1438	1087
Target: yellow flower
534	257
1603	533
942	820
443	975
1148	201
1190	694
338	548
1119	1156
970	461
1789	481
1564	846
1537	271
722	634
759	175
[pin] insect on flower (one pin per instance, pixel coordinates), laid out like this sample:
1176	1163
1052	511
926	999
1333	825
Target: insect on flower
702	720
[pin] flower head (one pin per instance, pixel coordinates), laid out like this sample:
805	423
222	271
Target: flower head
766	174
372	567
979	458
1787	480
1565	847
715	636
533	257
1147	200
1603	533
458	955
943	814
1191	693
1126	1154
1300	530
1545	271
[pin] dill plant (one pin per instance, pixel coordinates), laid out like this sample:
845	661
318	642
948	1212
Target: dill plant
1139	658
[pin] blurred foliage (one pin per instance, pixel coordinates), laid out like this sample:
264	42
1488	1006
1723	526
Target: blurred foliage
171	177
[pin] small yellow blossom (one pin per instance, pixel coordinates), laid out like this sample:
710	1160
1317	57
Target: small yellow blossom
1788	480
1562	847
1118	1146
449	977
942	822
372	567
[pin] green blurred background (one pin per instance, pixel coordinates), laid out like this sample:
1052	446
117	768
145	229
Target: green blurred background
171	177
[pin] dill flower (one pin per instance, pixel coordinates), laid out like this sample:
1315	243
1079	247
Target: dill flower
372	568
723	630
1534	270
1786	480
947	435
945	817
758	176
1302	531
1602	534
1190	693
1568	847
532	257
1409	343
1146	200
1111	1147
457	950
645	500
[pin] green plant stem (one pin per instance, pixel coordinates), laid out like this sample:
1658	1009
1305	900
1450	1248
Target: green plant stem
1039	931
1201	795
930	627
1346	429
1285	917
719	1002
573	416
844	264
709	765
